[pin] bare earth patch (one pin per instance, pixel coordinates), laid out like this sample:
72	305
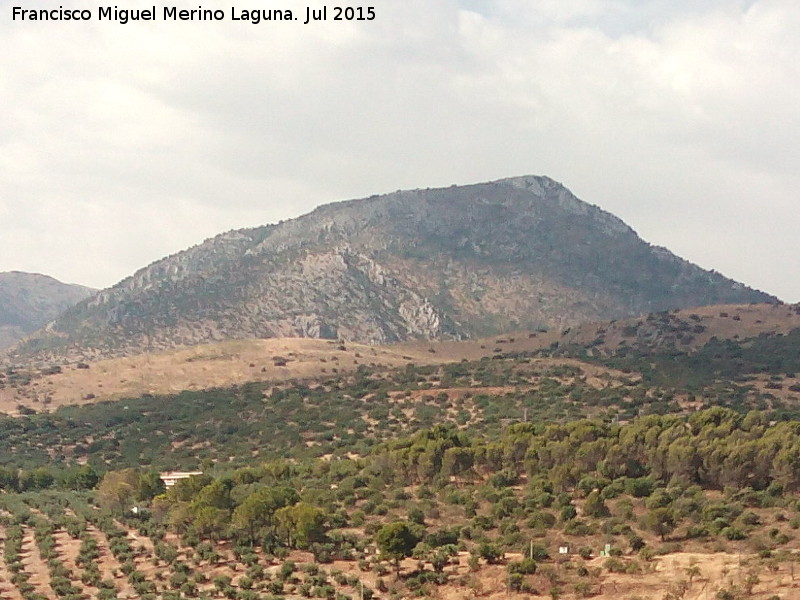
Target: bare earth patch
7	588
33	564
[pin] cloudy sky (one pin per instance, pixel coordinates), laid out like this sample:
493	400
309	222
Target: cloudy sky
120	144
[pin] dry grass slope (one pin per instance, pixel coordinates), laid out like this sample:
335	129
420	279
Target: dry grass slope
225	364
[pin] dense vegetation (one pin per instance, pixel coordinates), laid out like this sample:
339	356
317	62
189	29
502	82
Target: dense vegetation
496	463
714	481
352	413
348	414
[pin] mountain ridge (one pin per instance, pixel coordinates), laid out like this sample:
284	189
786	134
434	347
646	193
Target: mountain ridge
29	300
456	262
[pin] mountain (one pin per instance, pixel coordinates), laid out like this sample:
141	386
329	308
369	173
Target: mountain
457	262
28	301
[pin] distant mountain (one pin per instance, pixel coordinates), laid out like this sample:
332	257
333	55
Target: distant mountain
28	301
457	262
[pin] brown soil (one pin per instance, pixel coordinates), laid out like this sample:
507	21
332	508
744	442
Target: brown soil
68	549
202	367
7	588
709	572
240	361
229	363
664	574
716	571
109	566
33	564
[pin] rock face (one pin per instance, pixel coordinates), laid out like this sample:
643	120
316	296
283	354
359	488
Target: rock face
455	262
28	301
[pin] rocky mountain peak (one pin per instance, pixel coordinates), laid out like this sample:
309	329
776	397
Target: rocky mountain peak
461	261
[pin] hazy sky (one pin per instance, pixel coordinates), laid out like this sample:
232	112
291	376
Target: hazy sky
120	144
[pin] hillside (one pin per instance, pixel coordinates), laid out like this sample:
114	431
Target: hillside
28	301
457	262
677	341
217	365
684	331
479	384
449	469
341	528
484	469
756	345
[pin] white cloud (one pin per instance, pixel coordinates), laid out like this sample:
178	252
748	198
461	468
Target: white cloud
123	143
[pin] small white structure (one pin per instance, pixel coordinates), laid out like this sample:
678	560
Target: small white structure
170	478
563	549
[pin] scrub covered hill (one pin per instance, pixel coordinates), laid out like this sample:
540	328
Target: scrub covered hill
342	411
709	499
457	262
439	480
711	340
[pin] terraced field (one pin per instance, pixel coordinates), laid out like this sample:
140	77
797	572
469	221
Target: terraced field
61	546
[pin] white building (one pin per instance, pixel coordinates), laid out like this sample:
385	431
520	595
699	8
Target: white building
171	477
